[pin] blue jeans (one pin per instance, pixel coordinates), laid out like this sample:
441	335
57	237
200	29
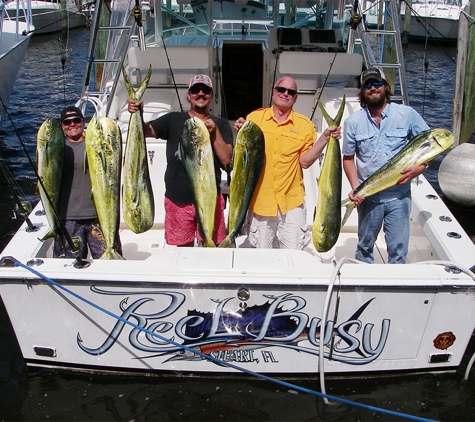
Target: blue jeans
393	216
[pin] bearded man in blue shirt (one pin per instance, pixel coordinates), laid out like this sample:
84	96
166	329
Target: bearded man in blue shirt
372	137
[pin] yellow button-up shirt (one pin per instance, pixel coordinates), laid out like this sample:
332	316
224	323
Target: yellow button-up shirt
280	186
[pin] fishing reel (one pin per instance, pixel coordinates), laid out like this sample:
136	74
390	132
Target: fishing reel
21	211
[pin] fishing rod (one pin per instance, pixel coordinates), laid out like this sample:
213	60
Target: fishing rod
173	76
23	208
279	39
79	263
323	86
224	109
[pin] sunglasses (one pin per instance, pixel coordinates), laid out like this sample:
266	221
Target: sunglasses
376	84
281	90
75	120
195	89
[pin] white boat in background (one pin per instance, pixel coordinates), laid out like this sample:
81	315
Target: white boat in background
48	15
434	20
201	310
14	39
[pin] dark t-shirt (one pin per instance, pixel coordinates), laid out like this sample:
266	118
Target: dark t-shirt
76	199
169	127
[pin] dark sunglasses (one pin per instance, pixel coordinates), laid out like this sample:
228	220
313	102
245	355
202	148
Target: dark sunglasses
195	89
376	84
281	90
75	120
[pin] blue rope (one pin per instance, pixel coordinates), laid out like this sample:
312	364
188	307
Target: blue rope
220	362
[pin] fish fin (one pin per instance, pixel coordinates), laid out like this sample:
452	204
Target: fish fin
51	234
103	160
350	206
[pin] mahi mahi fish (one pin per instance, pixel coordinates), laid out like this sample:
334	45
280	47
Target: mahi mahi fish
198	159
49	159
138	207
104	153
421	149
326	225
248	160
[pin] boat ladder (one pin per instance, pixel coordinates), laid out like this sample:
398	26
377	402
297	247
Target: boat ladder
114	34
391	56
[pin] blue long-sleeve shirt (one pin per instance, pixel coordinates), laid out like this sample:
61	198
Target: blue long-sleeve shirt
374	146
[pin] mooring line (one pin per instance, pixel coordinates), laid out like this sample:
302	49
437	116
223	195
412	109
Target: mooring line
220	362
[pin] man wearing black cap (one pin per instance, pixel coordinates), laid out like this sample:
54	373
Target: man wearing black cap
77	209
372	137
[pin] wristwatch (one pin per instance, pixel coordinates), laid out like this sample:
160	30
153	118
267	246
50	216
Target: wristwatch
426	165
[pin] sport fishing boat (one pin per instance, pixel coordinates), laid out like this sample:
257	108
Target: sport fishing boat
52	15
434	20
14	39
222	311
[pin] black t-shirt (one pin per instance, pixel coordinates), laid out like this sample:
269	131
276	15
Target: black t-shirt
169	127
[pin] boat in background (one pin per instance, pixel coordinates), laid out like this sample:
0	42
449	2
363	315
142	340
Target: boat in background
433	20
14	38
166	309
48	15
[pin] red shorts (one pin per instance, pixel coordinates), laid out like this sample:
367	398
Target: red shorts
181	225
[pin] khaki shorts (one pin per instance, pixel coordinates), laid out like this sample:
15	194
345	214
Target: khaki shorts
291	229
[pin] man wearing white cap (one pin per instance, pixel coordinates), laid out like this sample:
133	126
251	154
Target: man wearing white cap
372	137
181	226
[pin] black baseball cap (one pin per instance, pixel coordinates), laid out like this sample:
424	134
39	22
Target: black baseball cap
71	111
373	73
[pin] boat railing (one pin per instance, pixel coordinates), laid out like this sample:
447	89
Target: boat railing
23	14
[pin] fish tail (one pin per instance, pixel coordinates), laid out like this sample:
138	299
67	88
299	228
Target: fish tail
111	254
209	244
350	206
228	242
336	121
136	95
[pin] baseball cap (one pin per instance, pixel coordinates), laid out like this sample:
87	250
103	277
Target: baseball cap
200	79
372	73
71	111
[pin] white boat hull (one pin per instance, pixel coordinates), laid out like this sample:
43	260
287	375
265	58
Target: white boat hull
47	16
12	51
200	310
435	21
384	324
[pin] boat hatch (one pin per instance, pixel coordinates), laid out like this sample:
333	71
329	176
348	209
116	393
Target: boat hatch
228	259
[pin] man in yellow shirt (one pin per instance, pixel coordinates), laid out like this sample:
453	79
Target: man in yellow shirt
278	200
